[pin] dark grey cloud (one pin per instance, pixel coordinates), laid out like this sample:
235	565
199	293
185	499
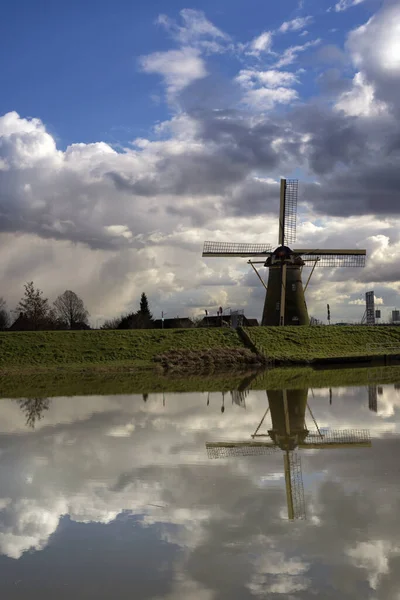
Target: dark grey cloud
330	54
332	82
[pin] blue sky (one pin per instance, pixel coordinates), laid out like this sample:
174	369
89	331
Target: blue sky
75	65
130	133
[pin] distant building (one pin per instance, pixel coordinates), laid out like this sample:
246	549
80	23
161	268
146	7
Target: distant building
225	321
178	323
252	323
22	323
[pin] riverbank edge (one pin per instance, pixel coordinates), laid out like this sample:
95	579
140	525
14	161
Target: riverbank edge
73	380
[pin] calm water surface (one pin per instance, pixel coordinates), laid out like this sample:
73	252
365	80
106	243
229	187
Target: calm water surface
117	496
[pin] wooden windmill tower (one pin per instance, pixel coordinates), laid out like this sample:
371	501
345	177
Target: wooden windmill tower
284	302
288	432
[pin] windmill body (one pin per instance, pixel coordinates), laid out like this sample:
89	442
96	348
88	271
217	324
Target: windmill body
284	301
288	428
295	309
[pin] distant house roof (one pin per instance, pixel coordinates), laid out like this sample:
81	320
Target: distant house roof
218	321
252	322
21	323
178	323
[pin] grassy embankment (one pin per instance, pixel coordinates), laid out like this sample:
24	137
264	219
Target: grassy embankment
33	350
305	344
103	350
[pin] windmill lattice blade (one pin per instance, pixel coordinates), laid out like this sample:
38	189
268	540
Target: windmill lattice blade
335	437
290	217
235	249
225	449
333	258
296	485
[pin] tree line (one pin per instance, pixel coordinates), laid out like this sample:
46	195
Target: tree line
35	313
141	319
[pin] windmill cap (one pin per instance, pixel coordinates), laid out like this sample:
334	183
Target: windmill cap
283	251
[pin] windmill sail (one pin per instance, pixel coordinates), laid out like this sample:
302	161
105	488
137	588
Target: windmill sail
235	249
338	438
225	449
332	258
294	486
290	211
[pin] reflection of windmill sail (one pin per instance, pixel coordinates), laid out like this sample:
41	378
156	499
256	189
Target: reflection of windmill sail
372	398
289	431
294	486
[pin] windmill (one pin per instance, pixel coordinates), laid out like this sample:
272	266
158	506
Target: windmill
288	432
284	301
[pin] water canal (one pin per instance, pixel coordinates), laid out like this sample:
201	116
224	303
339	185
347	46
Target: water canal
135	496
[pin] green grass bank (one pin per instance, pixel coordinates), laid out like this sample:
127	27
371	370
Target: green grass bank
33	350
317	344
132	350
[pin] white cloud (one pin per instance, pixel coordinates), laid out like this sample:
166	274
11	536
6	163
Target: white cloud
290	54
273	78
295	24
261	44
179	68
384	30
373	556
197	31
266	98
195	25
361	301
346	4
360	101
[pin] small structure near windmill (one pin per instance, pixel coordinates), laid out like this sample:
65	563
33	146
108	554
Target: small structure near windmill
235	319
284	301
178	323
369	313
396	316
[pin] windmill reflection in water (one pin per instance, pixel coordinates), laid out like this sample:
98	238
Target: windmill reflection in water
289	433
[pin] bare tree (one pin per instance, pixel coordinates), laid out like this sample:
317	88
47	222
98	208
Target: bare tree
4	316
112	323
70	309
33	307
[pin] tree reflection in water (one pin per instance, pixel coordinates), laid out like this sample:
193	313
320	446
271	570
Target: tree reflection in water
33	409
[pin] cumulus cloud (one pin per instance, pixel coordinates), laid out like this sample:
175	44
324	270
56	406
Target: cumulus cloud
179	68
374	48
260	44
267	98
360	100
273	78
